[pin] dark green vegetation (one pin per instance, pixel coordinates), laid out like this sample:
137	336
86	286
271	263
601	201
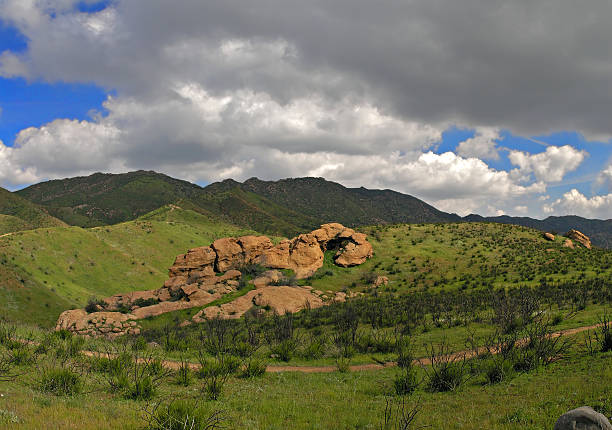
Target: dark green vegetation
17	213
286	207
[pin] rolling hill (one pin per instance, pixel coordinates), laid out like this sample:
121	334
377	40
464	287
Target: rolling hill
17	213
285	207
48	270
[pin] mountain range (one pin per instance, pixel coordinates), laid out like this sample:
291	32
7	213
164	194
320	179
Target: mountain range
284	207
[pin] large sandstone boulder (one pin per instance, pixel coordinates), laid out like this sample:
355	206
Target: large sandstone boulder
267	278
253	247
107	324
579	237
229	254
276	257
196	258
549	236
583	418
281	300
305	255
354	253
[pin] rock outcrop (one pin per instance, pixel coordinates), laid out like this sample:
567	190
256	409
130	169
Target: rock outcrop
282	300
579	237
549	236
303	254
584	418
207	273
567	243
108	324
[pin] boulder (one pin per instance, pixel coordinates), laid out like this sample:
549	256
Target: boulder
568	243
277	299
380	280
196	258
276	257
549	236
579	237
253	247
229	254
583	418
305	255
267	278
69	319
353	254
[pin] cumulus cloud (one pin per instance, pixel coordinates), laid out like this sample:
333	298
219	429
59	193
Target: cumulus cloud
575	203
605	177
548	166
427	61
351	90
483	145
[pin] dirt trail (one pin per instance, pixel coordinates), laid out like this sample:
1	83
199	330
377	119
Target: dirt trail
174	365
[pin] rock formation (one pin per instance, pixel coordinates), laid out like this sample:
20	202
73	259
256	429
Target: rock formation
584	418
206	273
108	324
579	237
549	236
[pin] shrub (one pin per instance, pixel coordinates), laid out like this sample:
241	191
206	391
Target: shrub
70	347
60	381
183	374
343	364
253	368
284	350
142	388
93	304
315	348
406	381
21	356
182	415
497	370
215	373
142	303
604	334
7	333
447	372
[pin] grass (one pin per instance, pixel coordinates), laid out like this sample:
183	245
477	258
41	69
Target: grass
64	267
335	400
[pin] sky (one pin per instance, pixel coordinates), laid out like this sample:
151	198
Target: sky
475	106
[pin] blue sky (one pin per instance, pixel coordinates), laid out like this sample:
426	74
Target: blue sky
204	91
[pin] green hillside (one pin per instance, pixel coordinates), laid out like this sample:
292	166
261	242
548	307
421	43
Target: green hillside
17	214
328	201
286	207
102	199
71	264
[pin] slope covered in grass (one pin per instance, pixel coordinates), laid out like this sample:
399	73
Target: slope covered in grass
75	264
17	214
462	256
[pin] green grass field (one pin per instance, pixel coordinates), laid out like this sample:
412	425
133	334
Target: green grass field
47	270
65	266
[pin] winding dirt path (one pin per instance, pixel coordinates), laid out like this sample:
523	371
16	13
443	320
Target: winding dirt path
174	365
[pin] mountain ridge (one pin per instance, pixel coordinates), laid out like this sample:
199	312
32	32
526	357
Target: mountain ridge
285	207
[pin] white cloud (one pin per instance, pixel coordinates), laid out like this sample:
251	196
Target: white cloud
229	91
482	145
605	177
548	166
521	209
575	203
